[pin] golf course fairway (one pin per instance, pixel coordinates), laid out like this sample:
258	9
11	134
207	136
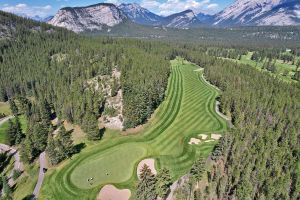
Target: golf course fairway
188	110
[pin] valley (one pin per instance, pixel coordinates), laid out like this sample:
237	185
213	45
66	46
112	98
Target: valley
165	139
111	101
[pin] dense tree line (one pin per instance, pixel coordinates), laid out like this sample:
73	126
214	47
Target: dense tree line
53	64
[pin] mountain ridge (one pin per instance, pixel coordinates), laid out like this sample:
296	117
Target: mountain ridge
240	13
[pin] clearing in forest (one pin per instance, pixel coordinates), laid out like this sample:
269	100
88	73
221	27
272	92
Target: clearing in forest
188	110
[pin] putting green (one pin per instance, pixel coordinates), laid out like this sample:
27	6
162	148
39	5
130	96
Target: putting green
188	110
122	158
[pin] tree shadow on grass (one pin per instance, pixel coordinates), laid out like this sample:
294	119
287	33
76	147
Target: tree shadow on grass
79	147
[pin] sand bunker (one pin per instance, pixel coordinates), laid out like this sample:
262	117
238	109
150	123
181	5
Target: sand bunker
150	162
194	141
200	69
209	141
203	136
110	192
216	136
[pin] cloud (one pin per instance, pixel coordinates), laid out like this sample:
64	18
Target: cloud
173	6
116	2
212	6
150	4
28	11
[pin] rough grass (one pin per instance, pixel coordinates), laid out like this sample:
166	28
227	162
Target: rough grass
187	111
26	183
4	108
281	67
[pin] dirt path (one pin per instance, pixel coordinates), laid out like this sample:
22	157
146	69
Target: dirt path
18	165
43	165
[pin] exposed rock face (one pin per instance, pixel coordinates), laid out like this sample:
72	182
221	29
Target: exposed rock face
185	19
260	12
139	14
90	18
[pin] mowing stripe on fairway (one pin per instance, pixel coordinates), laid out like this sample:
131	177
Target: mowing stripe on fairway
188	110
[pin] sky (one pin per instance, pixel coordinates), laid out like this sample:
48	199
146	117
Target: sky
45	8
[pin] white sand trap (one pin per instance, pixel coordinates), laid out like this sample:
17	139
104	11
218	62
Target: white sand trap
197	70
194	141
110	192
209	141
150	162
216	136
203	136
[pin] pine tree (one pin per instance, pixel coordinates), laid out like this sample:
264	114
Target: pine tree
146	186
40	136
51	150
197	169
7	192
11	132
90	126
45	111
13	107
18	129
3	95
65	142
163	182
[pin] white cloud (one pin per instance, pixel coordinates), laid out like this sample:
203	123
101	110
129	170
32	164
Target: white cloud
116	2
29	11
212	6
173	6
150	4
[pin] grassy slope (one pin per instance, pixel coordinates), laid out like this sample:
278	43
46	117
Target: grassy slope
280	66
4	127
4	108
187	111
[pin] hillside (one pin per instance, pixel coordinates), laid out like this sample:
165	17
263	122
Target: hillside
213	112
89	18
259	12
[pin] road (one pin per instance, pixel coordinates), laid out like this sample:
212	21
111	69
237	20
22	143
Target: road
43	165
18	165
5	119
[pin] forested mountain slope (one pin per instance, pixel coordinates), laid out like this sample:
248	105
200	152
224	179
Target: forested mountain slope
48	65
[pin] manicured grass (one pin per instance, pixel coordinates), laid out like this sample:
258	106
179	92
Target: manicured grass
187	111
114	165
4	127
4	108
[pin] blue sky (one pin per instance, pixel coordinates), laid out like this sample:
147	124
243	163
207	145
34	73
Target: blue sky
44	8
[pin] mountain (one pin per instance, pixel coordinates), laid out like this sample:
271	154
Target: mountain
90	18
260	12
185	19
46	19
281	15
139	14
204	17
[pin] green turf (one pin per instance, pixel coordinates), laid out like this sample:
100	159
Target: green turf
187	111
4	127
281	67
114	165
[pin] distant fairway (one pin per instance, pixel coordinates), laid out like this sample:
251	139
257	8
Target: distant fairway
187	112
